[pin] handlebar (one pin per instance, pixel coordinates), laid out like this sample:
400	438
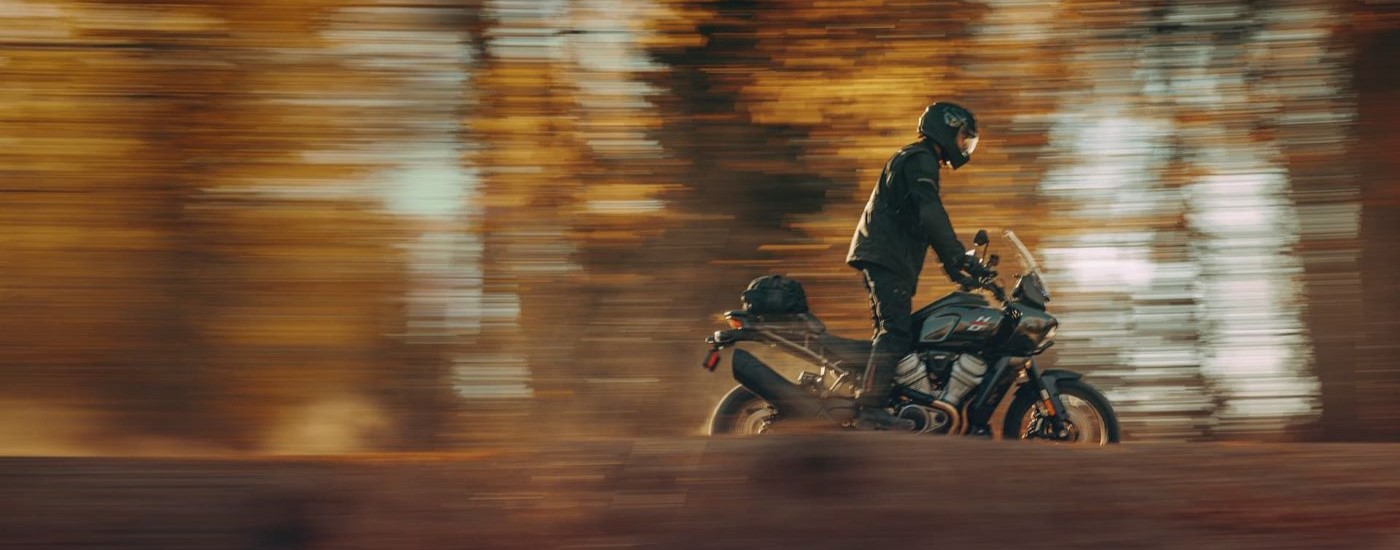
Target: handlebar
985	278
987	283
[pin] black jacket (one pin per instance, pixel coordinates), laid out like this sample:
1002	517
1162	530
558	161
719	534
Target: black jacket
905	217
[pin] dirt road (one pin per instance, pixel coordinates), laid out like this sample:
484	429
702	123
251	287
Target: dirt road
810	492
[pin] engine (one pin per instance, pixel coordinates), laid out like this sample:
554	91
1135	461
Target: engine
936	419
967	374
913	372
947	377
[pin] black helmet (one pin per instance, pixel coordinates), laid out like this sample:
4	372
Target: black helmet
941	123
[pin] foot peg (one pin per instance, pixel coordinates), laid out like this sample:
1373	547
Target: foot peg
881	419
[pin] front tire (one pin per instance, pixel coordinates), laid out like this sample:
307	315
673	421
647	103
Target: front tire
741	412
1091	417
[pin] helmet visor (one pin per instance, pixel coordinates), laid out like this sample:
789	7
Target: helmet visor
967	144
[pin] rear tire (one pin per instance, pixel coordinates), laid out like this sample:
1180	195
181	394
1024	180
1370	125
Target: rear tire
741	412
1093	416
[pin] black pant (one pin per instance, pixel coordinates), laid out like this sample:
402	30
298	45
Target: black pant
891	302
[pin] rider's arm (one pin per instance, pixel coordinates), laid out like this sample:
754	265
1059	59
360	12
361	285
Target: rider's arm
922	175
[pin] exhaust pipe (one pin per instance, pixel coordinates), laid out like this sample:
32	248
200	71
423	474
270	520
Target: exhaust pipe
790	399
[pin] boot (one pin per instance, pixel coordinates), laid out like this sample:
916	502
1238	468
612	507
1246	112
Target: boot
874	414
879	418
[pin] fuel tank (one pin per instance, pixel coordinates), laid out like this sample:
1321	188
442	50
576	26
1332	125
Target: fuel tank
958	321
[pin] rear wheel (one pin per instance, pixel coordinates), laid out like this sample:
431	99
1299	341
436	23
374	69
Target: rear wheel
741	412
1089	417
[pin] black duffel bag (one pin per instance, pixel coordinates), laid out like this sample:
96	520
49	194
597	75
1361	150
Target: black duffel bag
774	295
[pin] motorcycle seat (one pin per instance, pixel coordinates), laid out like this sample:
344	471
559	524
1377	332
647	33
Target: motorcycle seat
847	352
805	327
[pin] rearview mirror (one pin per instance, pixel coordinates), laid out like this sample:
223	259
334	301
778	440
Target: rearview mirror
981	238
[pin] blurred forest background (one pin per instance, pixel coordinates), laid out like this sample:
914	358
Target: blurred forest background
341	225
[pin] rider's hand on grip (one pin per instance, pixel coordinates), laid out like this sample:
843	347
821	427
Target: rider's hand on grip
967	282
977	270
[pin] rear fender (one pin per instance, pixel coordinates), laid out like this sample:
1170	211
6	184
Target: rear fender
725	338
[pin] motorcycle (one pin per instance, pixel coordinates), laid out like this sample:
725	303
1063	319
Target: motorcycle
970	357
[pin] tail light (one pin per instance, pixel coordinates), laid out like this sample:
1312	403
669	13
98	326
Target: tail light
711	360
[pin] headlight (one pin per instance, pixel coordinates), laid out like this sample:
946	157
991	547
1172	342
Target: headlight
1048	340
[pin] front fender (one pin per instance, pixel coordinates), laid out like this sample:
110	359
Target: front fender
1053	376
1050	378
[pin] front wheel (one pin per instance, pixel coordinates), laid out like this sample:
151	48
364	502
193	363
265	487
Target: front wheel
1089	417
741	412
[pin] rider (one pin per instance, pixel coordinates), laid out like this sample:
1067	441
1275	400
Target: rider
903	218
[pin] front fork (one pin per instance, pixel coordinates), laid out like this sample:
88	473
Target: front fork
1048	400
